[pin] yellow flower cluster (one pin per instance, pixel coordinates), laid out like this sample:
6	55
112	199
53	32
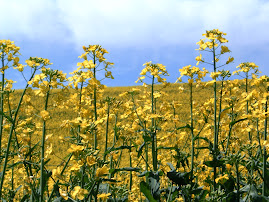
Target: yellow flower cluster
193	73
155	70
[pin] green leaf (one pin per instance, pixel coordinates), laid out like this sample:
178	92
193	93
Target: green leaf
201	147
187	126
225	109
154	184
234	122
253	194
31	149
179	178
214	163
114	170
140	149
144	188
14	164
145	173
117	148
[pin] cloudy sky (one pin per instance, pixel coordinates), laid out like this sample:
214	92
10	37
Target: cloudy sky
134	32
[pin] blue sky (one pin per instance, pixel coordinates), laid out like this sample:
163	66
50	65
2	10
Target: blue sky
134	32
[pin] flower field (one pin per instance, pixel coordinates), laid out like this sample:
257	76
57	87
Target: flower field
71	138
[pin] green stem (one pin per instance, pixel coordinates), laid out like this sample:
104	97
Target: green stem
2	105
237	182
11	133
130	163
107	124
94	103
79	111
264	184
247	108
192	135
42	175
220	102
215	146
153	130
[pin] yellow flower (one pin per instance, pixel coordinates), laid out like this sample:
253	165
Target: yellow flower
224	49
222	179
90	160
45	115
214	75
75	148
230	59
101	171
63	194
79	193
103	196
199	59
228	166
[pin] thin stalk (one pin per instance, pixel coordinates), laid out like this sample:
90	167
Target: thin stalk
264	184
237	182
258	135
107	124
153	135
130	163
192	135
12	177
79	111
220	102
228	140
170	192
2	103
247	108
11	133
111	165
42	175
97	189
94	103
215	146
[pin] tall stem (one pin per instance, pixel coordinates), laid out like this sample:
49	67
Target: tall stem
94	103
247	108
265	180
11	133
130	163
42	175
215	146
192	135
79	111
2	103
237	182
154	139
107	124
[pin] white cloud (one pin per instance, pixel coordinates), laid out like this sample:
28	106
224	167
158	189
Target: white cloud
129	23
29	19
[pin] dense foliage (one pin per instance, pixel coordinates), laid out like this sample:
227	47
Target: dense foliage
73	139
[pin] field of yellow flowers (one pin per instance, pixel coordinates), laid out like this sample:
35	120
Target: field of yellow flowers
74	139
